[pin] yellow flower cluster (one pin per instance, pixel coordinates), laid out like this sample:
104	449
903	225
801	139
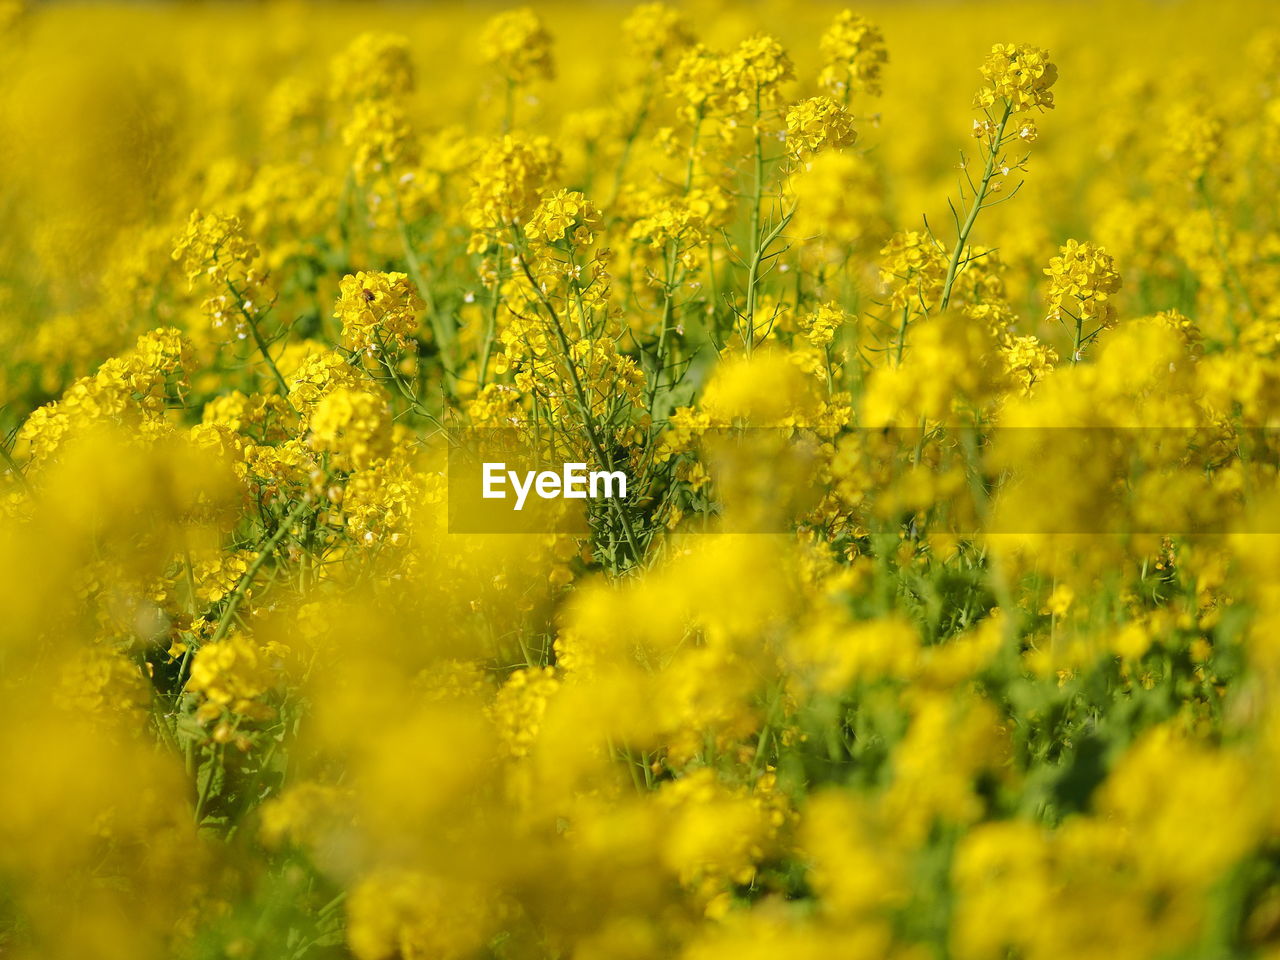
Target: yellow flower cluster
376	66
655	30
755	72
698	82
939	617
913	271
520	705
131	390
352	426
518	45
1018	75
380	140
508	179
231	676
564	213
215	250
377	311
854	54
1082	279
818	124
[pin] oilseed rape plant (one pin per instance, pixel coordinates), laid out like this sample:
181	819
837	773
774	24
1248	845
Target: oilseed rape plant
928	357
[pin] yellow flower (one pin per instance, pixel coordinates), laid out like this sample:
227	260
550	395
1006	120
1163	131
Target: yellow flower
1082	279
518	45
566	212
1019	75
817	124
853	53
378	311
655	30
352	426
231	676
376	66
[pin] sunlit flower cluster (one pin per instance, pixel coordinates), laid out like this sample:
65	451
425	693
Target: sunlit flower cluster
939	616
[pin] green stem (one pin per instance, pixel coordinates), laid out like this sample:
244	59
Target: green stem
13	466
205	788
491	331
584	402
410	395
756	195
266	355
902	333
962	238
509	114
242	588
252	321
693	152
443	336
753	276
660	355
